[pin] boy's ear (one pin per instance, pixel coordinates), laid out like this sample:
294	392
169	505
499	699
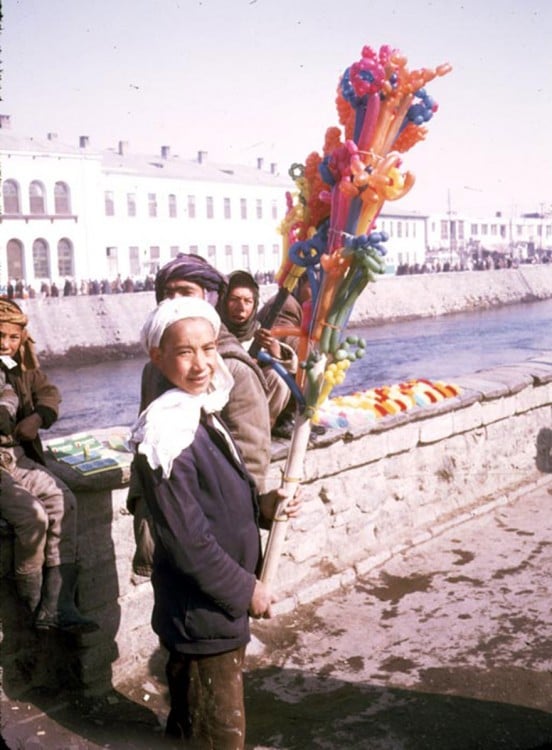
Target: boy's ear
155	355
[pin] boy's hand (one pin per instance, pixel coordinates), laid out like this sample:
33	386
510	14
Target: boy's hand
28	428
269	502
261	601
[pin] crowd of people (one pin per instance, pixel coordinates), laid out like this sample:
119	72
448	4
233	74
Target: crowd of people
19	289
198	493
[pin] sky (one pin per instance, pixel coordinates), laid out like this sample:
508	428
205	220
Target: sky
249	79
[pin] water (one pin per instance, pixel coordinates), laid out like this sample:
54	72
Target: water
107	394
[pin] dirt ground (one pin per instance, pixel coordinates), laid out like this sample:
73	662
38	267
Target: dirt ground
445	647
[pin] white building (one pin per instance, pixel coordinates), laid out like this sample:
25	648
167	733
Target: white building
72	212
463	240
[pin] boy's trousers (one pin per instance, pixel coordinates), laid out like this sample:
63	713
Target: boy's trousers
42	511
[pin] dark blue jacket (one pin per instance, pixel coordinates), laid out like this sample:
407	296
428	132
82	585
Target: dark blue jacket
207	547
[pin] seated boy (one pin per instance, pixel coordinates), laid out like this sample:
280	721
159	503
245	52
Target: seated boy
41	509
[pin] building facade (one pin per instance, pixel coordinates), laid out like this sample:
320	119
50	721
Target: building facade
72	212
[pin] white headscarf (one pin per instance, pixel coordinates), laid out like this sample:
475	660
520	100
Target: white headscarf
170	311
168	425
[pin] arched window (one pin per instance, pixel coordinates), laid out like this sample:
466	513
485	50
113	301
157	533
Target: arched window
65	257
37	200
62	198
15	259
10	192
41	259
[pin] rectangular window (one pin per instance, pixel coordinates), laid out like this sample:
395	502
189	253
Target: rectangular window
444	230
172	206
474	230
209	207
245	256
227	209
134	260
460	230
399	229
503	230
276	256
193	250
112	262
152	204
191	207
274	209
259	208
212	254
154	256
243	208
261	257
174	250
493	230
484	229
109	204
131	204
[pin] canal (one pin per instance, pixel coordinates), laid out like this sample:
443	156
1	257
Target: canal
106	394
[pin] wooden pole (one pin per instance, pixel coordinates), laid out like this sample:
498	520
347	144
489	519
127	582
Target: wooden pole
293	474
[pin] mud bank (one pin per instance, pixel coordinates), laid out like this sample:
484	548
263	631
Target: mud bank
85	330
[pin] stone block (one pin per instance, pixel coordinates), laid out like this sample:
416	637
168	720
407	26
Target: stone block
467	419
433	430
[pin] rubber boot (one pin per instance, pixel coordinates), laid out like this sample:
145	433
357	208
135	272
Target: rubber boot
29	589
57	608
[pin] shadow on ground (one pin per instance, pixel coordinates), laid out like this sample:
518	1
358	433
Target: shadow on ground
333	714
290	709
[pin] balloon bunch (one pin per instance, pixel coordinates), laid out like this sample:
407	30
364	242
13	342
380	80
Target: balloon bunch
329	228
329	232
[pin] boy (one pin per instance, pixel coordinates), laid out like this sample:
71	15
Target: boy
41	509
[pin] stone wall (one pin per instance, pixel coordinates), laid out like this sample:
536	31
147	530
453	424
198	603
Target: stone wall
369	493
87	329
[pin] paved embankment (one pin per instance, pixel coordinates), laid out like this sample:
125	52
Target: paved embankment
446	646
85	329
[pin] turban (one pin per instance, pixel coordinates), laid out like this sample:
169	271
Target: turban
170	311
192	268
10	312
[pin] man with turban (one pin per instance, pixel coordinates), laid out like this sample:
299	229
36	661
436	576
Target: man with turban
238	310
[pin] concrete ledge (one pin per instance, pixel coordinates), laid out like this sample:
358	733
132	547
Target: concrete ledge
369	493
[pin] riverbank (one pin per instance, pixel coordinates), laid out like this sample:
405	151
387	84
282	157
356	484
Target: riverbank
89	329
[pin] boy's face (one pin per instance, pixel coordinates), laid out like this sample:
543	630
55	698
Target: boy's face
187	356
240	304
11	336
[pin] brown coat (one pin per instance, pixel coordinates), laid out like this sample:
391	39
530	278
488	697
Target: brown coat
36	396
